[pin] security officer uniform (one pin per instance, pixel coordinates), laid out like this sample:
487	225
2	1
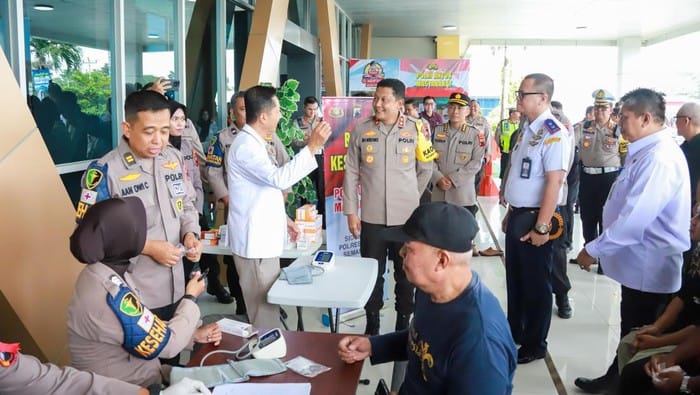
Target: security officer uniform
96	336
602	152
161	184
504	132
460	152
542	146
383	160
218	182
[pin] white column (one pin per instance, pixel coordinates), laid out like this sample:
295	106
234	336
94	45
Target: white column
628	64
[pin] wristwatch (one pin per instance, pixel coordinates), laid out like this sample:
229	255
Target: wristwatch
541	229
684	385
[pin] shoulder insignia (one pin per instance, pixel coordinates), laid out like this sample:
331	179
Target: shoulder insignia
464	127
551	126
445	126
130	177
129	158
93	177
95	187
402	121
371	133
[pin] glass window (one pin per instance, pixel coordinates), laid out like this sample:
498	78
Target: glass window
68	77
4	29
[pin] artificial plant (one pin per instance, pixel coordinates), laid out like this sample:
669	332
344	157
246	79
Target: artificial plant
289	131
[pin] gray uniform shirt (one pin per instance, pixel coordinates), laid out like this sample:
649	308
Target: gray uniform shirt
162	186
599	146
95	334
461	151
189	154
382	159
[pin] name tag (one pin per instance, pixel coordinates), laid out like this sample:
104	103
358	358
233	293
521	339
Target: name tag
525	168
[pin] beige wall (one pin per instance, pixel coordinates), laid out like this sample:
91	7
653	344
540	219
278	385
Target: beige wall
403	47
38	270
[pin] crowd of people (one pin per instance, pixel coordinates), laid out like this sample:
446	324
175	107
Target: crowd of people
142	208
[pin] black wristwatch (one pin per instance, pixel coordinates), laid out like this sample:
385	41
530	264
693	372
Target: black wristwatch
190	297
541	229
684	385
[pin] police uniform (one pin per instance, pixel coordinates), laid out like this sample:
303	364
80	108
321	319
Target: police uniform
318	175
189	154
602	152
542	146
103	304
383	160
460	151
482	124
216	175
504	132
161	184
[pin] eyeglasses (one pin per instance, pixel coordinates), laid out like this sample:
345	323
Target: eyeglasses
677	117
521	94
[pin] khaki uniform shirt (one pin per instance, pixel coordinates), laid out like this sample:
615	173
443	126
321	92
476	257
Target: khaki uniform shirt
28	376
599	146
382	159
461	151
95	334
161	184
481	123
216	158
189	154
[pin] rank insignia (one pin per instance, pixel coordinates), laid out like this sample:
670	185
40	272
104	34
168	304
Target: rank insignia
129	158
170	165
130	177
551	126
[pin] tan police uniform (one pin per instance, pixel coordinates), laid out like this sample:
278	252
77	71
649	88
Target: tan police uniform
28	376
161	184
189	154
383	161
482	124
216	158
95	334
460	151
601	147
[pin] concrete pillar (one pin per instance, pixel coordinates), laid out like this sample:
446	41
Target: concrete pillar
330	49
628	64
262	56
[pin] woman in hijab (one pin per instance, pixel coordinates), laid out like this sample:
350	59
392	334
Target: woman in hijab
109	331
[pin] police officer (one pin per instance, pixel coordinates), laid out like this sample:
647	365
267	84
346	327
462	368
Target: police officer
383	158
602	154
504	132
478	121
460	149
539	161
216	174
146	166
307	123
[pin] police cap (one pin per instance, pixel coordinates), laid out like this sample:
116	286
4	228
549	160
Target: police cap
459	98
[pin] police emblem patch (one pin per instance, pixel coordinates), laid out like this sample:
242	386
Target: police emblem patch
130	305
93	178
179	205
130	177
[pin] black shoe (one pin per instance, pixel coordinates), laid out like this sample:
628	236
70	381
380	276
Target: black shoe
593	386
573	261
527	356
372	327
402	321
564	307
218	290
241	309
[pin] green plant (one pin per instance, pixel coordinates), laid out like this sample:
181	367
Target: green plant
288	131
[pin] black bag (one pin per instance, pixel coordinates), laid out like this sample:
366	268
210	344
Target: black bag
524	222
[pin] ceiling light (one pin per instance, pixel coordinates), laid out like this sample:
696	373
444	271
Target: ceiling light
449	27
43	7
581	27
153	35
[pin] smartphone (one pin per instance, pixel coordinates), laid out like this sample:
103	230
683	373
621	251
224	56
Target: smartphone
174	85
204	274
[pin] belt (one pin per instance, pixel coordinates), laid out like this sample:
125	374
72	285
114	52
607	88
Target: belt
599	170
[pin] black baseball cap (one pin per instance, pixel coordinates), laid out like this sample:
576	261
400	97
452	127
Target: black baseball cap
439	224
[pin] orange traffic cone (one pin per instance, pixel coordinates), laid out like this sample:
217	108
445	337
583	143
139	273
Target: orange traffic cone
488	185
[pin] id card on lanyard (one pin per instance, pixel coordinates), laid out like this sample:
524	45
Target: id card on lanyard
526	168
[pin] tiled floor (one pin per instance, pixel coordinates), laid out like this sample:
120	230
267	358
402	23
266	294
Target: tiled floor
580	346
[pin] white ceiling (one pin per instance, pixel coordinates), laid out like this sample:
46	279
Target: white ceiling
528	20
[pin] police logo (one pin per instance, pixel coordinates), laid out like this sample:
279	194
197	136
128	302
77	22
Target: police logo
170	165
179	205
369	159
464	157
130	177
130	305
404	159
93	178
600	94
370	148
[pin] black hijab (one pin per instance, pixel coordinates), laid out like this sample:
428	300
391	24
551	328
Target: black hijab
111	232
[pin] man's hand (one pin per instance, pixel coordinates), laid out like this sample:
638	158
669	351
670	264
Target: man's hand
585	260
354	225
210	333
669	382
293	230
186	386
502	199
319	136
658	363
535	238
643	342
194	247
224	200
194	286
649	330
444	183
162	252
352	349
504	222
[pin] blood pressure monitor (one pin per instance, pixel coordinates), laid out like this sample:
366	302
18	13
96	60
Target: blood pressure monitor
270	345
323	259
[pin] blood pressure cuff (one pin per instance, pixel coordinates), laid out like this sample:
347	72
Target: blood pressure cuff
231	372
297	275
145	335
524	221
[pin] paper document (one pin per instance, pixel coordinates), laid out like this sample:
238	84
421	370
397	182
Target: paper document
263	389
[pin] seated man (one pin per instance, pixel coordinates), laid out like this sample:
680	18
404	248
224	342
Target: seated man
459	341
110	332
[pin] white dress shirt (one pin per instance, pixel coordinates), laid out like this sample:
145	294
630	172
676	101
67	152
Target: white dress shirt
646	217
257	220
